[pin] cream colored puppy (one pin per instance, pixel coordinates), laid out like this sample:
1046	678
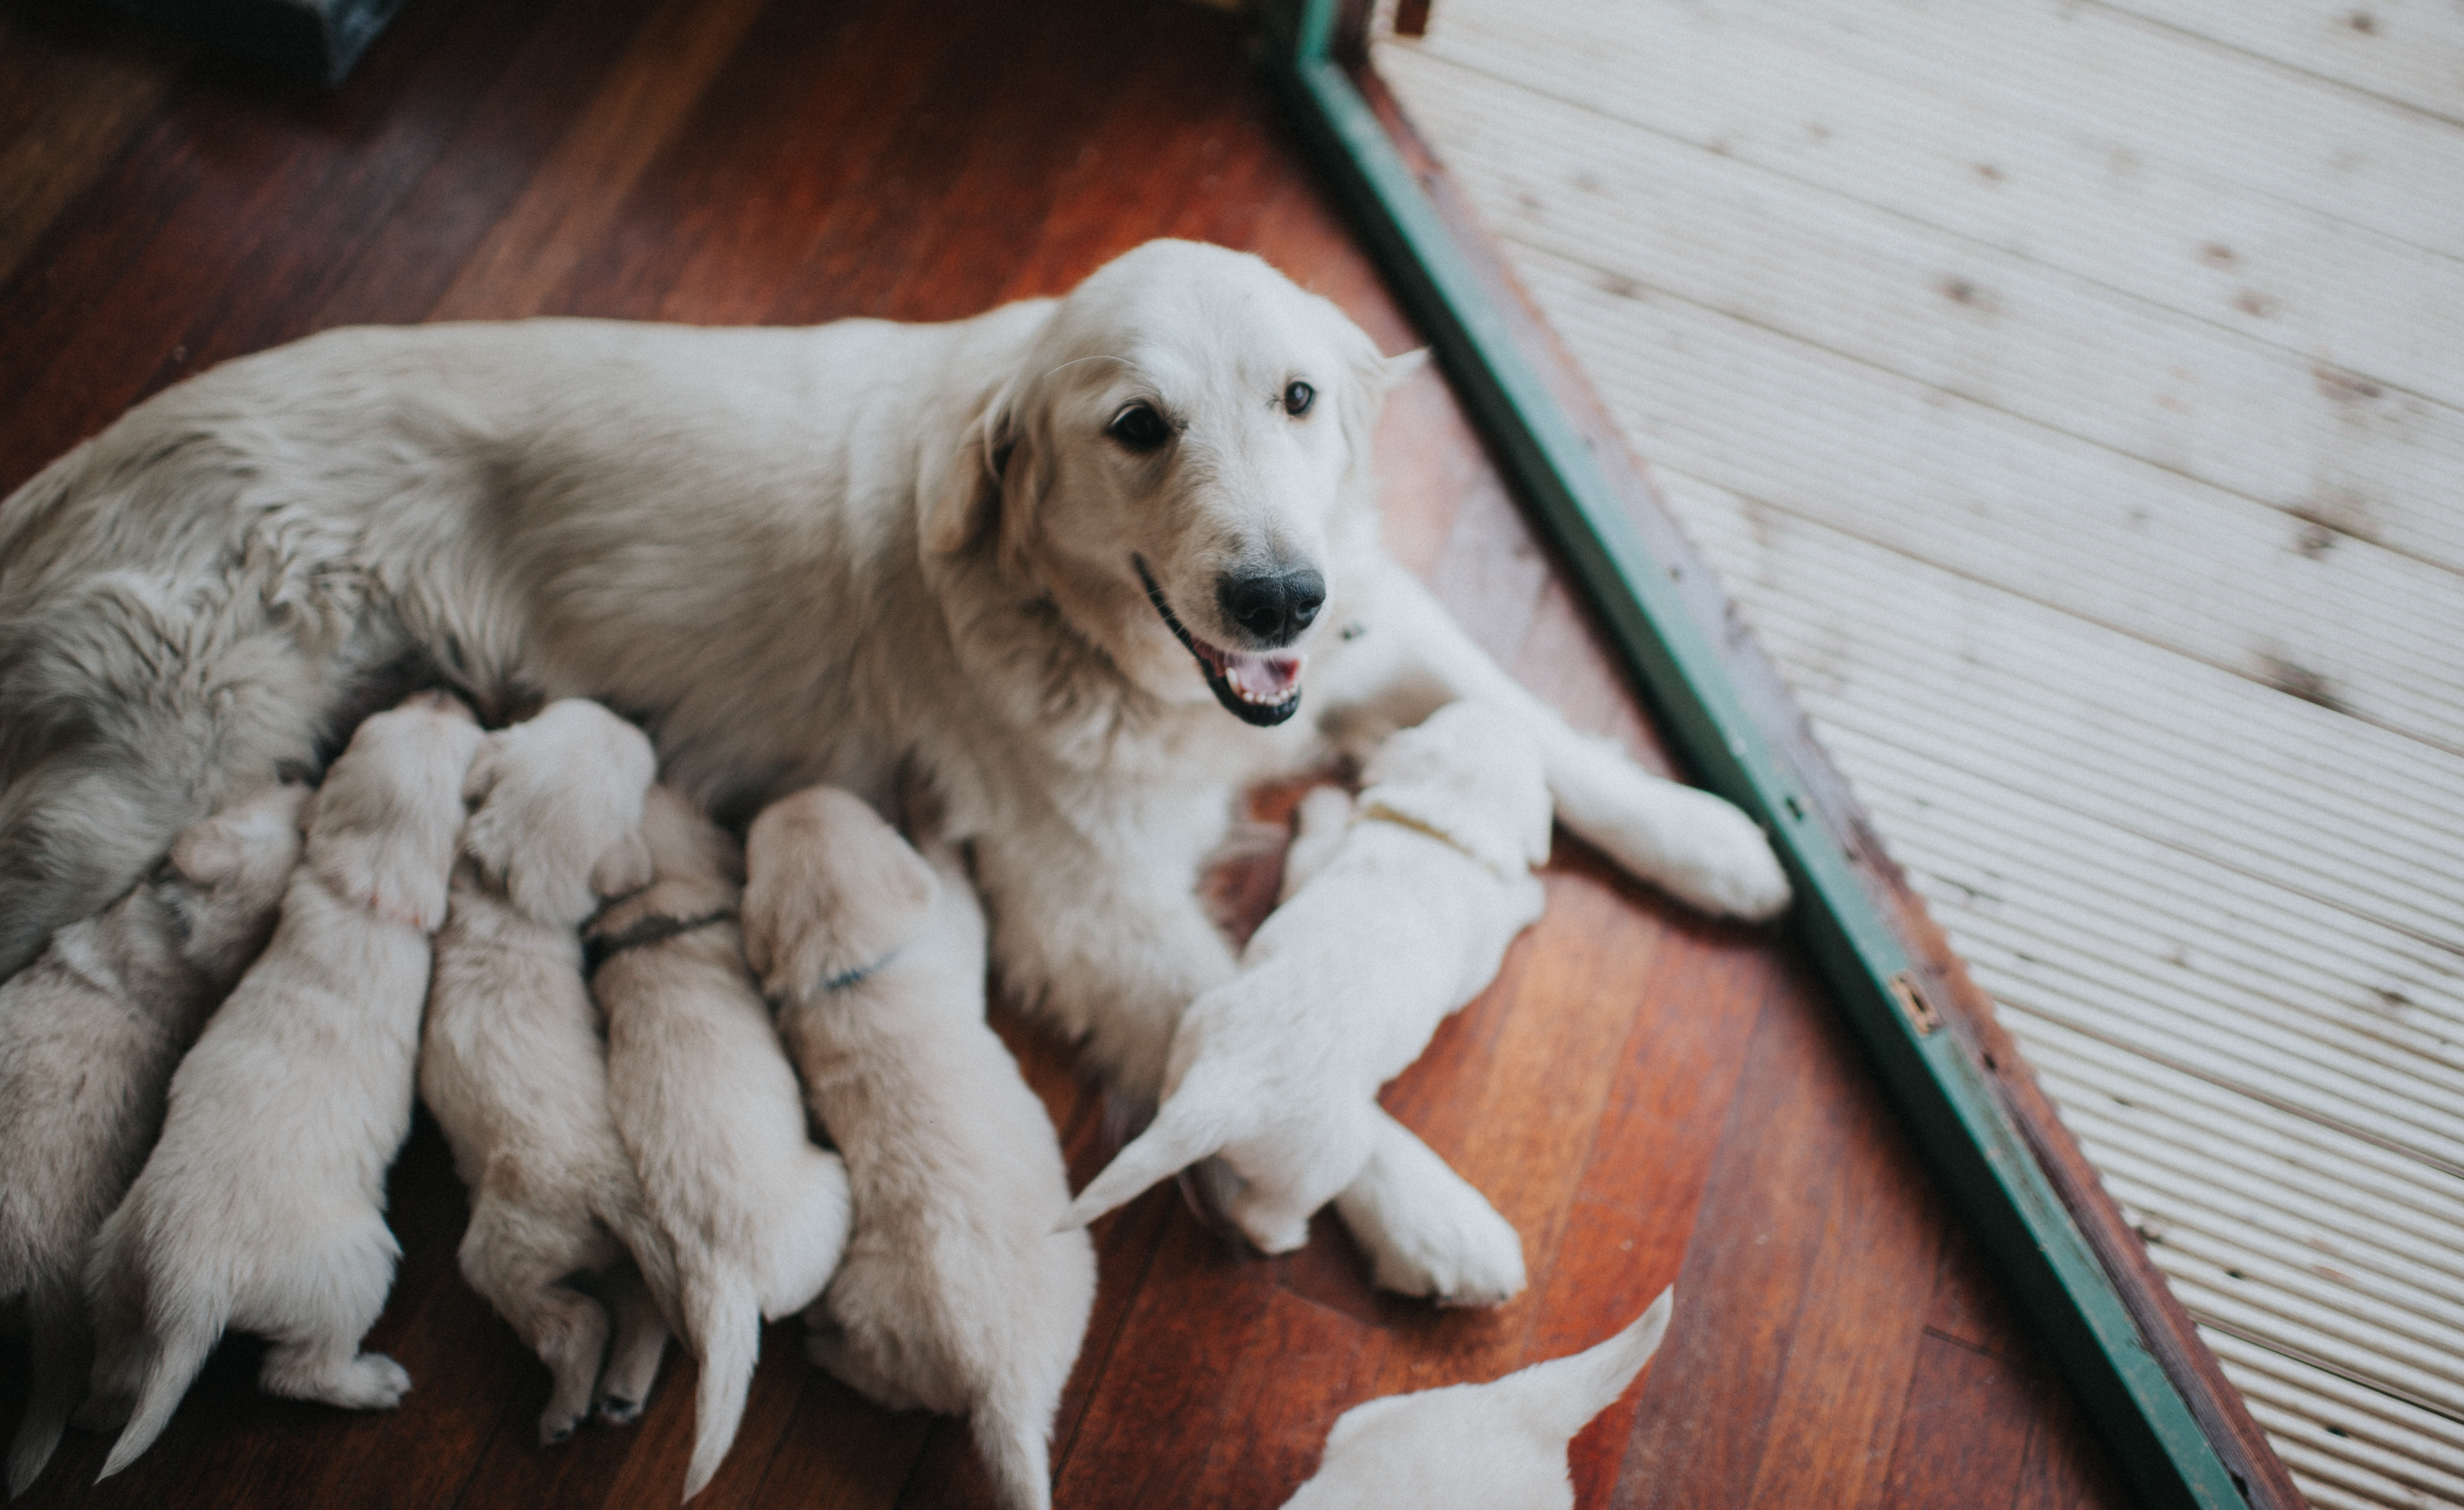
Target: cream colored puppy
511	1064
705	1103
263	1206
89	1035
956	1295
1494	1446
1392	926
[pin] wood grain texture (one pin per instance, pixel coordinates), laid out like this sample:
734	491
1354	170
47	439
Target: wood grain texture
1650	1097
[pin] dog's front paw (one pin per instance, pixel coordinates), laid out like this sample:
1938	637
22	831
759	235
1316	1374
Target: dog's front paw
1721	862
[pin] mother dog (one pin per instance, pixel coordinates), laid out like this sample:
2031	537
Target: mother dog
1072	557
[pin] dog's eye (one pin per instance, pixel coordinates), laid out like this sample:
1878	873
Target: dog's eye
1297	398
1139	427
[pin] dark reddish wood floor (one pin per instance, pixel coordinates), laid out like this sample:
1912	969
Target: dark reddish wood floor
1649	1097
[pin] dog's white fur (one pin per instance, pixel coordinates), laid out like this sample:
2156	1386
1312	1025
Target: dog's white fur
708	1106
1401	922
512	1066
262	1207
1494	1446
956	1293
89	1035
802	556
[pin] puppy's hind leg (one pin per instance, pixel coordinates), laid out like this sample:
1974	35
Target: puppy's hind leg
633	1357
518	1260
63	1354
1427	1230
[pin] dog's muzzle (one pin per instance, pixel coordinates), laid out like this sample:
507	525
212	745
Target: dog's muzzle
1260	690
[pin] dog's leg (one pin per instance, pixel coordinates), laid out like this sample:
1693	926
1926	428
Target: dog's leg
1427	1230
633	1357
1111	945
1410	658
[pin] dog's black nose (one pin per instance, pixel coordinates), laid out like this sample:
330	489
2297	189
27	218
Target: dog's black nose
1274	607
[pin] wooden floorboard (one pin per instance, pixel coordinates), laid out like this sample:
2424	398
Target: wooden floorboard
1650	1097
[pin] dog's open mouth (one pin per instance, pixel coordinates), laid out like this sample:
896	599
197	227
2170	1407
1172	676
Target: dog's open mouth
1262	689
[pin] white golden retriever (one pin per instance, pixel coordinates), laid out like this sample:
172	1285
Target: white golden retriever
1495	1446
1402	921
1032	552
707	1105
262	1208
956	1293
511	1064
89	1035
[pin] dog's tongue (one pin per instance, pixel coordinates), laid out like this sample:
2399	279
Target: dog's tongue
1262	678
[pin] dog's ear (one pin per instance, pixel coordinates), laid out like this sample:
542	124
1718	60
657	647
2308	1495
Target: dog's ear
967	503
624	869
1393	370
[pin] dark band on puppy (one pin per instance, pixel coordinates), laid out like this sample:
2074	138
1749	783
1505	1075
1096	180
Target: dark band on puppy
598	951
856	977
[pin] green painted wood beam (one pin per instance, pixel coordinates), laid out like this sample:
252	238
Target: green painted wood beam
2026	1233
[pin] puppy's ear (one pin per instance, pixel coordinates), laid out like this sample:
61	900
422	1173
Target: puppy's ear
481	778
1471	776
624	869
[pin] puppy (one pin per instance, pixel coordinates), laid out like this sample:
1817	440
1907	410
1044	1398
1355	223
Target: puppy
1494	1446
89	1035
705	1101
956	1295
512	1063
263	1206
1388	928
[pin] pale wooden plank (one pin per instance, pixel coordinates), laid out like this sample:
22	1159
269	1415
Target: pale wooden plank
2097	721
2162	97
2048	345
2325	289
2410	52
2043	514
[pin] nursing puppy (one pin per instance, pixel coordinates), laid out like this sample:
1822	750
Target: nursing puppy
262	1207
1494	1446
704	1099
956	1293
1075	559
1387	928
89	1035
512	1066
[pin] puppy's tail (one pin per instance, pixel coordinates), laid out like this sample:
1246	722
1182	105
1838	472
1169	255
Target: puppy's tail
1011	1428
61	1362
723	1320
1194	1124
1562	1395
182	1337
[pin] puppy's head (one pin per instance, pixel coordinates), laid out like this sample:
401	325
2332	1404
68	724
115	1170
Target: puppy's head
1183	463
233	867
1471	775
830	890
382	828
556	810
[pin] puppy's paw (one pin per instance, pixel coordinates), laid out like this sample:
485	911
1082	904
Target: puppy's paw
367	1382
1427	1232
1721	861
